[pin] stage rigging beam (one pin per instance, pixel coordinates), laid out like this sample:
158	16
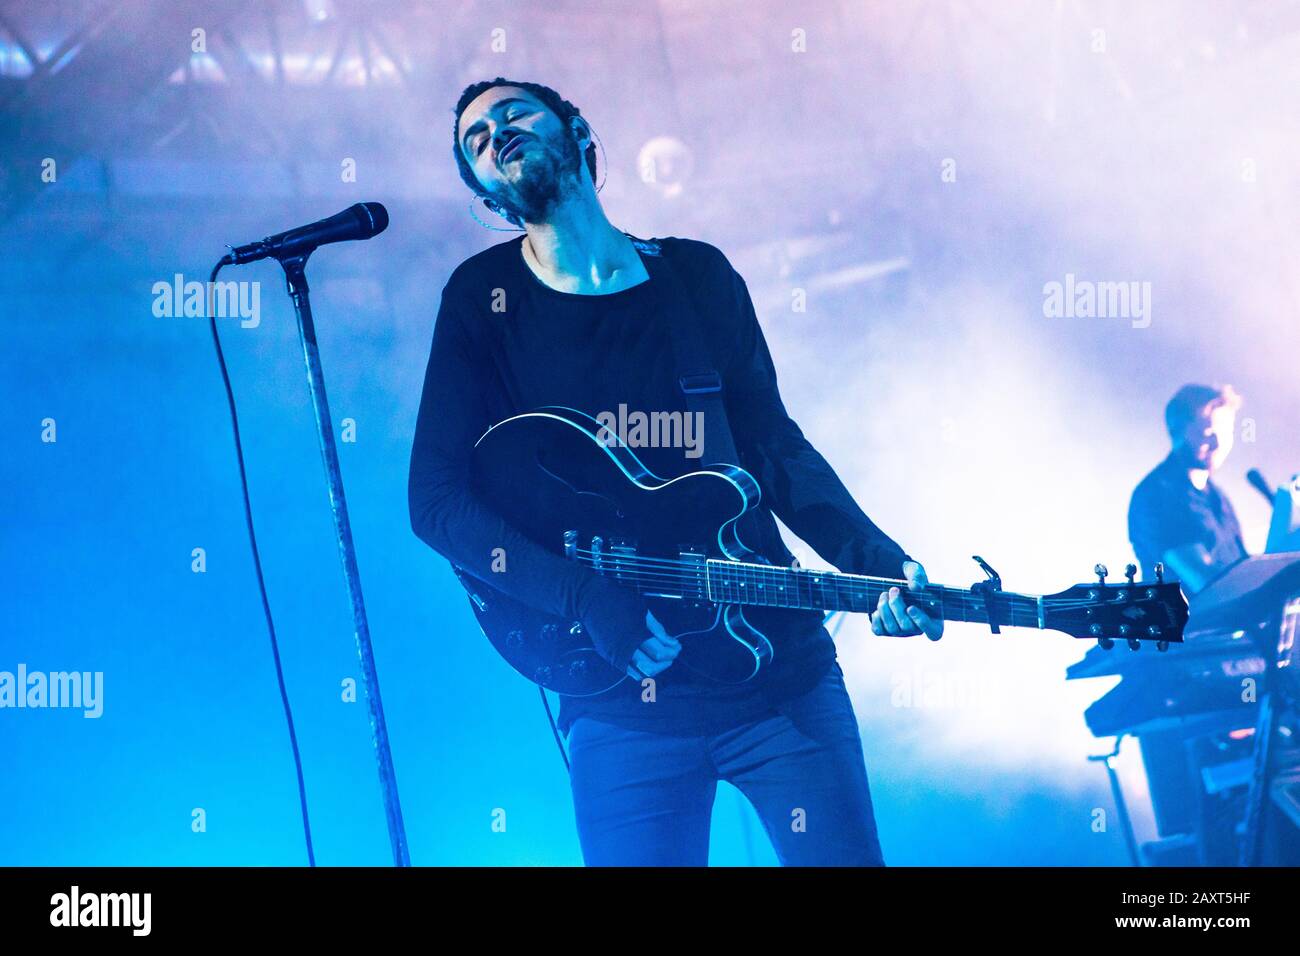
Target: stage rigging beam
120	62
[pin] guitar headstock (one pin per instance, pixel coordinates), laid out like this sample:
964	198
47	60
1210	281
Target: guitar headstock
1131	612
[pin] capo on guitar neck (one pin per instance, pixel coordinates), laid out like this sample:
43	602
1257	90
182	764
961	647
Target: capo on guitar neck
985	590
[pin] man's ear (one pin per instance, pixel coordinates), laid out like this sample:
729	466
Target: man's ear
497	208
581	131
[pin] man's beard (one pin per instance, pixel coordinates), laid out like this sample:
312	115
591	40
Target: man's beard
545	179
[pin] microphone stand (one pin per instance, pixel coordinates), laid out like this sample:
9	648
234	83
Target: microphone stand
298	292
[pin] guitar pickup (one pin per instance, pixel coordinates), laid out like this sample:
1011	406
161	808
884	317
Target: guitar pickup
622	546
691	556
618	549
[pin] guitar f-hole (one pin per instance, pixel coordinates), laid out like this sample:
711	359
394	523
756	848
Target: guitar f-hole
618	512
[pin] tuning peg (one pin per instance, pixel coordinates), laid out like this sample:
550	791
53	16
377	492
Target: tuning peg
1134	644
1160	572
1162	645
1130	572
1105	643
1101	571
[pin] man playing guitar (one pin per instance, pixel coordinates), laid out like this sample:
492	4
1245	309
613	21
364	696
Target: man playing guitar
572	314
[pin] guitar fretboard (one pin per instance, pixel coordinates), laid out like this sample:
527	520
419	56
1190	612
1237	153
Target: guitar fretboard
764	585
730	582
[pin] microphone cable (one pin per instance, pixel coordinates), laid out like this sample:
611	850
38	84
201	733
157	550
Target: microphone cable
257	565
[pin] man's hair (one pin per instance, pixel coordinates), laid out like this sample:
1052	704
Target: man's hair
1191	400
553	101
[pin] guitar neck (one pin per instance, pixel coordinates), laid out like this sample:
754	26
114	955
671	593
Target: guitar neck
1154	613
759	585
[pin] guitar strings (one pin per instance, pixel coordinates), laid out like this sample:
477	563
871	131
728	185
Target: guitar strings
684	570
693	578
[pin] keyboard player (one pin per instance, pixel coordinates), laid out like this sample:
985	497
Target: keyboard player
1177	514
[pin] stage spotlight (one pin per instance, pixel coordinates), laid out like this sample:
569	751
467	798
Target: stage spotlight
319	10
665	164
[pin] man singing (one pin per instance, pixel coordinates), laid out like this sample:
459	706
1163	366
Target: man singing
572	313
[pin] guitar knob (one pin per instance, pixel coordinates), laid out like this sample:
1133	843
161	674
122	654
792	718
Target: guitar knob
515	639
548	633
542	675
578	669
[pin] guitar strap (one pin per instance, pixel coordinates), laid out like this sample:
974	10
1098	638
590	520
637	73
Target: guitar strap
700	383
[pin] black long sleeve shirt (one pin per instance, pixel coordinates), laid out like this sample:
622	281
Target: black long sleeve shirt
505	343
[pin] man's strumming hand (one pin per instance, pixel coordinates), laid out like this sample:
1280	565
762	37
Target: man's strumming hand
656	653
626	634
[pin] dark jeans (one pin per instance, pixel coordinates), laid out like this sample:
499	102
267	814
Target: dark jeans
645	799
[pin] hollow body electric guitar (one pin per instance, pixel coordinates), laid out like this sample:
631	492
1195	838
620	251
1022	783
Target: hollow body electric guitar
566	482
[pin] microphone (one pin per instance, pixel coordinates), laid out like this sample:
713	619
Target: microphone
1257	482
362	221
